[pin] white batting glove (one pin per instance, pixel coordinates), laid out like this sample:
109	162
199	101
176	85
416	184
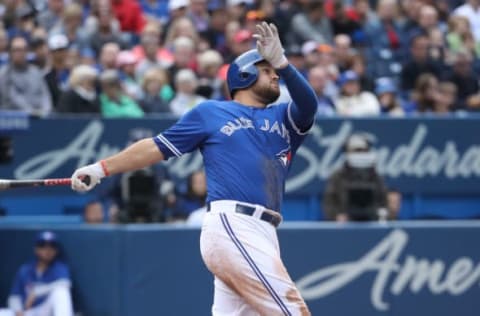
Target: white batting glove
94	173
269	45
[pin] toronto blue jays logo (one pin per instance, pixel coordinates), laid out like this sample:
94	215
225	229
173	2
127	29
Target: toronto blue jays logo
285	157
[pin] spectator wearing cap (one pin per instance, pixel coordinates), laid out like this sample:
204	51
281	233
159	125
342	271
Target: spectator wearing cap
114	102
386	92
156	91
22	86
52	15
311	24
42	285
311	53
81	97
325	57
186	83
242	41
177	9
57	77
126	63
352	101
254	17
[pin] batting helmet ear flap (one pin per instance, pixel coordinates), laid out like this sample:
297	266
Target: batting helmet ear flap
242	72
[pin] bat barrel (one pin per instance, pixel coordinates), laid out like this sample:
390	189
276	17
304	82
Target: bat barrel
8	184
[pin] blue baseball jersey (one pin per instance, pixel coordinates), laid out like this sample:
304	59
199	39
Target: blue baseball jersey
247	151
27	279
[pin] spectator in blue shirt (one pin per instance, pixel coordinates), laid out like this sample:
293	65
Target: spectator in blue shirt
42	287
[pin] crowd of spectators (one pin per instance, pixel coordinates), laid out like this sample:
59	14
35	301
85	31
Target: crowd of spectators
131	59
127	58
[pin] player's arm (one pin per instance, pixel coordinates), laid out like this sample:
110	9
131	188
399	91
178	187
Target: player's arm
183	137
303	109
139	155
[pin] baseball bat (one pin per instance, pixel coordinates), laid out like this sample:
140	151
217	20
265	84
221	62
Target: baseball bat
11	184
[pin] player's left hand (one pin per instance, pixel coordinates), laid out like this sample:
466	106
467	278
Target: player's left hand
270	46
94	173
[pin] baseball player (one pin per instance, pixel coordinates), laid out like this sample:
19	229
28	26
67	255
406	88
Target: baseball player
247	146
42	287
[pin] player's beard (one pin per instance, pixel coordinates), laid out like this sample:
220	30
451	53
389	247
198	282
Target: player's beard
266	93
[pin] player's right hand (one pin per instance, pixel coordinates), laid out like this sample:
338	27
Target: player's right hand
269	45
94	173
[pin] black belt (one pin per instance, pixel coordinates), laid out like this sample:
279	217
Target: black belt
249	210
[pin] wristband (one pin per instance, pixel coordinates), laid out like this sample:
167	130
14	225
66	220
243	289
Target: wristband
104	168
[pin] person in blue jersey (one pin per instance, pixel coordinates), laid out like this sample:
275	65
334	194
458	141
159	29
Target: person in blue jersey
42	287
247	146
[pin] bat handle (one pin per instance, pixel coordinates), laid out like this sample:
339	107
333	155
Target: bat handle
48	182
86	180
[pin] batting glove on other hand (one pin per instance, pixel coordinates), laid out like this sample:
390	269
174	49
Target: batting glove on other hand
86	178
269	45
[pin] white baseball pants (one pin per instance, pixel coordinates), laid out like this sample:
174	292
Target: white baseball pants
242	252
58	303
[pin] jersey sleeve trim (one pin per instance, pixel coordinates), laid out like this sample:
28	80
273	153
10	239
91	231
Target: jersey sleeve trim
169	145
292	122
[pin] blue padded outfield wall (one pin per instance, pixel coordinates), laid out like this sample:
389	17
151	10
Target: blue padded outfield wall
409	268
435	162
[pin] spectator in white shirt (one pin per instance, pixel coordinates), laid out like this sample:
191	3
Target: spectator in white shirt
352	101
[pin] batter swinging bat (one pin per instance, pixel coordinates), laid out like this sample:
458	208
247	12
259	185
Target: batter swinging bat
10	184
